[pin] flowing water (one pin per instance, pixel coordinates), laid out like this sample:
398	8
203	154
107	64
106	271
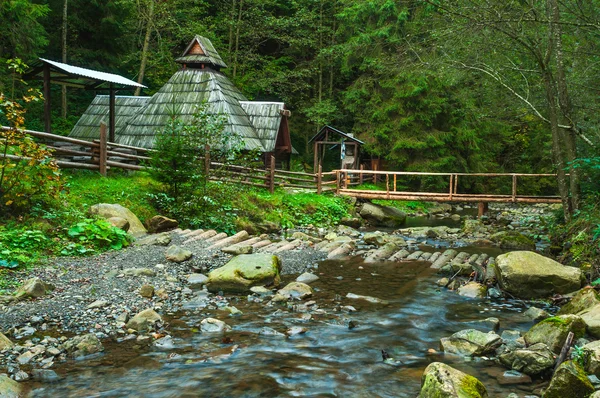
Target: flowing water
340	355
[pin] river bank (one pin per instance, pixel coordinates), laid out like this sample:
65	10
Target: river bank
99	295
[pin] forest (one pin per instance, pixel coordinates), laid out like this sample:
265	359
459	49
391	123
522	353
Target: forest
429	85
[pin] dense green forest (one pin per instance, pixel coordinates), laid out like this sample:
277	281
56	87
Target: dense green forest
429	85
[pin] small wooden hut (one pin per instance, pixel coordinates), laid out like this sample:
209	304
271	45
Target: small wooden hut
349	147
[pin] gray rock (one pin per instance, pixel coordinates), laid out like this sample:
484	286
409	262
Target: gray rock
119	222
536	314
98	304
370	299
45	375
473	290
569	380
244	271
307	278
161	224
9	388
553	331
139	272
238	249
144	320
383	216
513	377
80	346
533	360
162	239
471	342
106	211
197	280
33	288
147	291
293	291
212	325
442	381
5	342
178	254
530	275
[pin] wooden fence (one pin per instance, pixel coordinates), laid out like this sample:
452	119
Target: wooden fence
103	155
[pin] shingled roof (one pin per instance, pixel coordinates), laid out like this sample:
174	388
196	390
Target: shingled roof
201	51
88	125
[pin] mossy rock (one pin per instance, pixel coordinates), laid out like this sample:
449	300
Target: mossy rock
533	360
9	388
513	240
527	274
471	342
243	272
584	299
569	380
553	331
442	381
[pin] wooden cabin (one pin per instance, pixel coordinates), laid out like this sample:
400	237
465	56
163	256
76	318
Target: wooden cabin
345	146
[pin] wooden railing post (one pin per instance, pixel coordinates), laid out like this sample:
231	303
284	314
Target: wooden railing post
514	188
451	185
319	179
387	185
272	175
360	175
103	150
338	182
394	182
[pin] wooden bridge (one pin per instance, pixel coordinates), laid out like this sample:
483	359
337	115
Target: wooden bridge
346	179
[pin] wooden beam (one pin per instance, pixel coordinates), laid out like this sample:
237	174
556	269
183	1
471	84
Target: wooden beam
103	150
47	100
111	114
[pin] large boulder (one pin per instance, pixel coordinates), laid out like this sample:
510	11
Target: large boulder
107	210
471	342
245	271
591	351
533	360
9	388
382	216
33	288
513	240
529	275
569	380
553	331
178	254
442	381
584	299
161	224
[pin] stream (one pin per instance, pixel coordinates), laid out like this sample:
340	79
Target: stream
340	355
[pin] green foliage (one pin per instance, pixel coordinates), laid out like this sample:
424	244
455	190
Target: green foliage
95	235
581	356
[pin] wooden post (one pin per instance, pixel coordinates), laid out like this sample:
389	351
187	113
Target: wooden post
111	114
564	351
272	175
47	102
337	181
482	208
103	157
514	188
360	175
319	180
316	157
455	184
206	161
394	182
451	185
387	185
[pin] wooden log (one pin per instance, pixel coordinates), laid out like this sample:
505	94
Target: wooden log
273	246
193	233
399	255
320	180
217	237
237	238
205	235
415	255
425	256
345	249
434	257
444	258
272	175
290	246
125	165
564	351
262	243
382	254
248	242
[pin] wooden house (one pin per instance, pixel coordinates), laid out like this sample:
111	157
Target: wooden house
262	126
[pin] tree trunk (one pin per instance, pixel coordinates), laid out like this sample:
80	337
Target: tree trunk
564	100
64	59
320	49
237	39
231	24
145	47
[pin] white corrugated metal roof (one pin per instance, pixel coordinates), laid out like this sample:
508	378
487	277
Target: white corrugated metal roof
92	74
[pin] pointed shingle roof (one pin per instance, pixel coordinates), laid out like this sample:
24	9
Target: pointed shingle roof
201	51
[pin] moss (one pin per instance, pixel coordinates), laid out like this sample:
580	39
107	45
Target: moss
472	388
555	320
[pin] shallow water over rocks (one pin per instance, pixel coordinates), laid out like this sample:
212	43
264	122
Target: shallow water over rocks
338	355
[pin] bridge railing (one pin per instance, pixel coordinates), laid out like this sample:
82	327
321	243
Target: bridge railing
346	177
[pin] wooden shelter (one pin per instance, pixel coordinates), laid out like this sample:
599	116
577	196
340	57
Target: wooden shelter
262	126
349	147
270	119
74	76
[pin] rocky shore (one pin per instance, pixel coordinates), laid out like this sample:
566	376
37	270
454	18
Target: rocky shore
67	308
